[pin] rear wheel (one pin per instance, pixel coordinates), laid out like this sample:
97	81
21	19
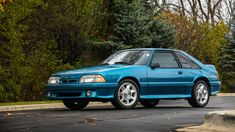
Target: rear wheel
200	95
75	104
149	103
126	95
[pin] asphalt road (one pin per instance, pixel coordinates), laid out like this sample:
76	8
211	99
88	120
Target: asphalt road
167	116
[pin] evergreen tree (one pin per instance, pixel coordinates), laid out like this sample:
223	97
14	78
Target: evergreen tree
133	24
227	61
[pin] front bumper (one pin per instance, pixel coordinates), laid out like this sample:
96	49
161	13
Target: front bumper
79	91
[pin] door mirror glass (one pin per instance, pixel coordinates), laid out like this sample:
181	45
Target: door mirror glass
155	65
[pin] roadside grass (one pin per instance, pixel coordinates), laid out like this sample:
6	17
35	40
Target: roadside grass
30	102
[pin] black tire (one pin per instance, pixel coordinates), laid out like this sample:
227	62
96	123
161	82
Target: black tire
75	104
149	103
193	101
116	101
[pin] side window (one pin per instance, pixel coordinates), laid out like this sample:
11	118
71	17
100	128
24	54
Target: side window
185	61
165	60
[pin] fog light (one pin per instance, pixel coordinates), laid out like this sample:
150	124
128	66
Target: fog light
88	93
48	94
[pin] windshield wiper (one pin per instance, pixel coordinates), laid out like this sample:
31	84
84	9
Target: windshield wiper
122	62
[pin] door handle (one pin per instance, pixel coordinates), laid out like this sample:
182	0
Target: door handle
180	72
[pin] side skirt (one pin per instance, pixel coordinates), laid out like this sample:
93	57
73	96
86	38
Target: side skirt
164	96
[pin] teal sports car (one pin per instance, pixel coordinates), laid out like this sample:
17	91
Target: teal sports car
144	75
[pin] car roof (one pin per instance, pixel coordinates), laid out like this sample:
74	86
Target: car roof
166	49
154	49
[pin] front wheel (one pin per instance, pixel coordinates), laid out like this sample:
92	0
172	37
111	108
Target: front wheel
75	104
200	95
126	95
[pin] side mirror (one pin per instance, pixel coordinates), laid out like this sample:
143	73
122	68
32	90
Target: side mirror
154	65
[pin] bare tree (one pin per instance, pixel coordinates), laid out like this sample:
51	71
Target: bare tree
229	7
232	22
181	3
211	11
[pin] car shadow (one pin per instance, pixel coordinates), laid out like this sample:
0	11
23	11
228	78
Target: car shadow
109	108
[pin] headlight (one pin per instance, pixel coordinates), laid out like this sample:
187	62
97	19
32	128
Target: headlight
53	80
92	78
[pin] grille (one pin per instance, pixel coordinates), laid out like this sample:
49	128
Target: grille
69	81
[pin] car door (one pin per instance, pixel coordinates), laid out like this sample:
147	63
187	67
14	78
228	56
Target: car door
166	80
190	69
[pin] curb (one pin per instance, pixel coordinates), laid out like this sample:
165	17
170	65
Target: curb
226	94
60	105
42	106
219	121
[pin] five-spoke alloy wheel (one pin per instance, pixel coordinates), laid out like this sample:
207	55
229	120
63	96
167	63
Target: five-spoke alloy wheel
200	95
126	95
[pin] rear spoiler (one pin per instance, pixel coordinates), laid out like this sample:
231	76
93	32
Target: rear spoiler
211	68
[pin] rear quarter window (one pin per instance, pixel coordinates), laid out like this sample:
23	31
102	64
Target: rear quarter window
185	61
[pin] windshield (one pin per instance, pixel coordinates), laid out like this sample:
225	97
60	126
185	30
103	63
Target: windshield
129	57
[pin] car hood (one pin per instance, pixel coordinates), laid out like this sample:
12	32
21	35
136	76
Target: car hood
93	69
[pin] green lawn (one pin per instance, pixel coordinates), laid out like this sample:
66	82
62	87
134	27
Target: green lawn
29	102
